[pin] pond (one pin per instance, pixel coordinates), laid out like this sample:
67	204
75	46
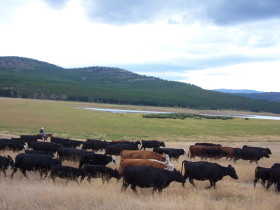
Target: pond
124	111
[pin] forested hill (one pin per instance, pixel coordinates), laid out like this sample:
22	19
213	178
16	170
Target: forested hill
29	78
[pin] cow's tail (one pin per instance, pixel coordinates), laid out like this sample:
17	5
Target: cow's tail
189	153
183	163
256	170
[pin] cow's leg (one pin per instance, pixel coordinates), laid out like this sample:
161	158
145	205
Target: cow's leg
133	187
82	178
212	184
53	178
191	181
23	171
263	182
125	186
269	184
278	185
14	171
4	172
255	181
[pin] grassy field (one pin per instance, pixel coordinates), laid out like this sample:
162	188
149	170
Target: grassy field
23	116
64	119
33	193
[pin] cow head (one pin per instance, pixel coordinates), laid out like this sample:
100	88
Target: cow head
162	144
179	177
264	153
231	172
113	161
11	162
268	151
116	174
184	151
170	166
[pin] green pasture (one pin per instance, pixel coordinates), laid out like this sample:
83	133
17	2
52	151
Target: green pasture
64	119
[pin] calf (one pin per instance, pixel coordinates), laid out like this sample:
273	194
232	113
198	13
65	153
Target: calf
274	177
65	172
96	171
144	162
96	159
5	163
263	174
146	176
207	171
140	154
151	144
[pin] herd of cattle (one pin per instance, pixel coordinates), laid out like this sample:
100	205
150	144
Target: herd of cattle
138	166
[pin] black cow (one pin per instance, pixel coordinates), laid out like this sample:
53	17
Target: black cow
14	146
72	154
263	174
66	142
96	159
34	162
96	171
151	144
51	154
116	148
94	145
44	146
253	154
274	176
15	140
260	149
29	138
146	176
171	152
207	171
207	144
215	153
65	172
5	163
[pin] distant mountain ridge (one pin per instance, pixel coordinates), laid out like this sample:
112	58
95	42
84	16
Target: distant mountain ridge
29	78
253	94
237	91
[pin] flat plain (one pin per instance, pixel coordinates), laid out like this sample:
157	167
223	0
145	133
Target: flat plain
64	119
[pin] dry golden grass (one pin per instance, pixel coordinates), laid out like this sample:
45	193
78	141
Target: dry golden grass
33	193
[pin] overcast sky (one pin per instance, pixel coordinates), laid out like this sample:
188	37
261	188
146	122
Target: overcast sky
233	44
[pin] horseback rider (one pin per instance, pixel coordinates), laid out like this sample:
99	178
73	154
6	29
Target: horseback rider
42	134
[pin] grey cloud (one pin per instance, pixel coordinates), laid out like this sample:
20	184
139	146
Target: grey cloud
226	12
221	12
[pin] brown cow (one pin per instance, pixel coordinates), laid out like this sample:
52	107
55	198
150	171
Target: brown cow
144	162
229	150
196	150
143	154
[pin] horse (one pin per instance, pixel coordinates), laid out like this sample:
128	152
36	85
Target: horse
46	136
